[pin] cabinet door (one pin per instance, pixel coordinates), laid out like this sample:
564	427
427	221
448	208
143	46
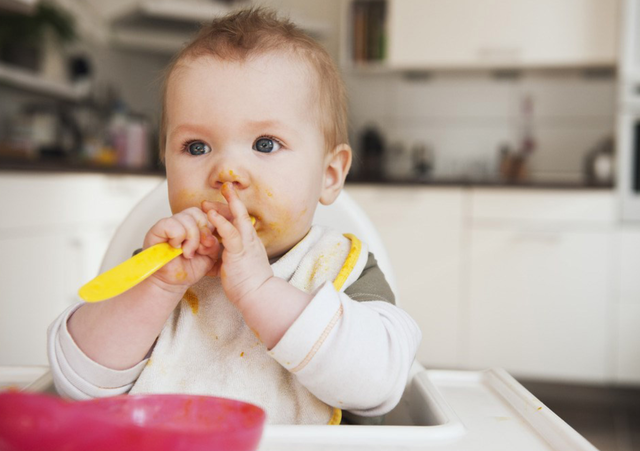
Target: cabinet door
50	251
32	293
40	275
627	368
539	302
422	230
501	33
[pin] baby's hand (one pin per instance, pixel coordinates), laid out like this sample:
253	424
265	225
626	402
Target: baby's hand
190	230
245	265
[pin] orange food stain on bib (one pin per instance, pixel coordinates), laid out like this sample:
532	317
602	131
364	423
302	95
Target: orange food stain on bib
193	301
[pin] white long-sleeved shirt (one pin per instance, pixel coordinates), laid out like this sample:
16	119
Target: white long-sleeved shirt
320	344
349	354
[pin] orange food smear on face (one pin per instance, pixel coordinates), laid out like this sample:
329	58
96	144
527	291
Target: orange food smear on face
242	354
181	275
193	301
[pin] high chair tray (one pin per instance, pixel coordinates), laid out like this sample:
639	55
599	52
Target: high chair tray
446	410
440	410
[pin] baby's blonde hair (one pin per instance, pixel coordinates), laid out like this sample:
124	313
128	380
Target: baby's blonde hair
257	31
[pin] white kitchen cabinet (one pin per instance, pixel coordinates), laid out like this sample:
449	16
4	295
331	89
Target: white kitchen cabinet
422	231
54	229
558	209
32	281
627	317
539	302
432	34
39	280
540	287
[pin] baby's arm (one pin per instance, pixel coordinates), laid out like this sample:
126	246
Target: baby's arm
352	355
268	304
118	333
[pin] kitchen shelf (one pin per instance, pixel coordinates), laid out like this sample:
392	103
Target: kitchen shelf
427	36
18	6
166	42
364	46
28	81
15	165
163	26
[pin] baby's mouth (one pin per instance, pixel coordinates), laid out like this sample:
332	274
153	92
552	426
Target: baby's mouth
223	209
254	221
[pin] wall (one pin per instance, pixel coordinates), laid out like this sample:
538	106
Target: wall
325	13
138	75
465	117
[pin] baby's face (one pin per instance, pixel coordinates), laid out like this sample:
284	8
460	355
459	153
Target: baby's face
252	123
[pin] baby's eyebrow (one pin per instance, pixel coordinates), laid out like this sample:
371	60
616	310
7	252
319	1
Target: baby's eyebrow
252	126
268	123
189	128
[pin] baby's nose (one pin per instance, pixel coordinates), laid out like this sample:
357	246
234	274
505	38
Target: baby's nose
228	176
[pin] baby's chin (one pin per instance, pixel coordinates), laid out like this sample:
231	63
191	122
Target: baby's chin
277	247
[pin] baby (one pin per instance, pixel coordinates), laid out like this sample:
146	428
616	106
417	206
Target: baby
253	130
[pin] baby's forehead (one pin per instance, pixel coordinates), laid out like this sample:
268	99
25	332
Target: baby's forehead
295	64
282	78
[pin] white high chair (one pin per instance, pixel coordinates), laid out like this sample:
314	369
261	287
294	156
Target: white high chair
440	410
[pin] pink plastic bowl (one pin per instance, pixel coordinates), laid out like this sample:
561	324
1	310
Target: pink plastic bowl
130	422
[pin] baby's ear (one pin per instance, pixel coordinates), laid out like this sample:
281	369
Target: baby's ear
336	167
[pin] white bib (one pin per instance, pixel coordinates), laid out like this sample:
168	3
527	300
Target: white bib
206	348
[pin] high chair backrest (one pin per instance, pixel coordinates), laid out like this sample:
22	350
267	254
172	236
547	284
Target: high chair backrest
343	215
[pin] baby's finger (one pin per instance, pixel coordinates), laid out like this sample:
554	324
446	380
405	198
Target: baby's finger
242	220
192	241
231	238
199	216
166	230
207	239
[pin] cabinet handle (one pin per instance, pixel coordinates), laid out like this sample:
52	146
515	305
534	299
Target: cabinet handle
500	54
549	239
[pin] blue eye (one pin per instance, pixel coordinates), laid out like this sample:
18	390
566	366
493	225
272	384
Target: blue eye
266	145
197	148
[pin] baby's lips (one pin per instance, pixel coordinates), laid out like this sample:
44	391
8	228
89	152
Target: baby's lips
223	209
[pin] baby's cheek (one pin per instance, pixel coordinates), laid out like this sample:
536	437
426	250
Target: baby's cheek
181	200
284	228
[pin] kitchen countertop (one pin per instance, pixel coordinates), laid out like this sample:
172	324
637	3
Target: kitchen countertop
484	183
65	167
53	166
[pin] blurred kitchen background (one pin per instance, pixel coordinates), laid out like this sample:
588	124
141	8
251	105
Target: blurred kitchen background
497	149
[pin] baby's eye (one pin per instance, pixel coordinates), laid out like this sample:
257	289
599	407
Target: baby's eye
197	148
266	145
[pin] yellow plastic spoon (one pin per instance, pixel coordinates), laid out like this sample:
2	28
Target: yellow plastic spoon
131	272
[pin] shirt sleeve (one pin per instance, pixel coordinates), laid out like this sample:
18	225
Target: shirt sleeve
352	355
371	285
75	375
